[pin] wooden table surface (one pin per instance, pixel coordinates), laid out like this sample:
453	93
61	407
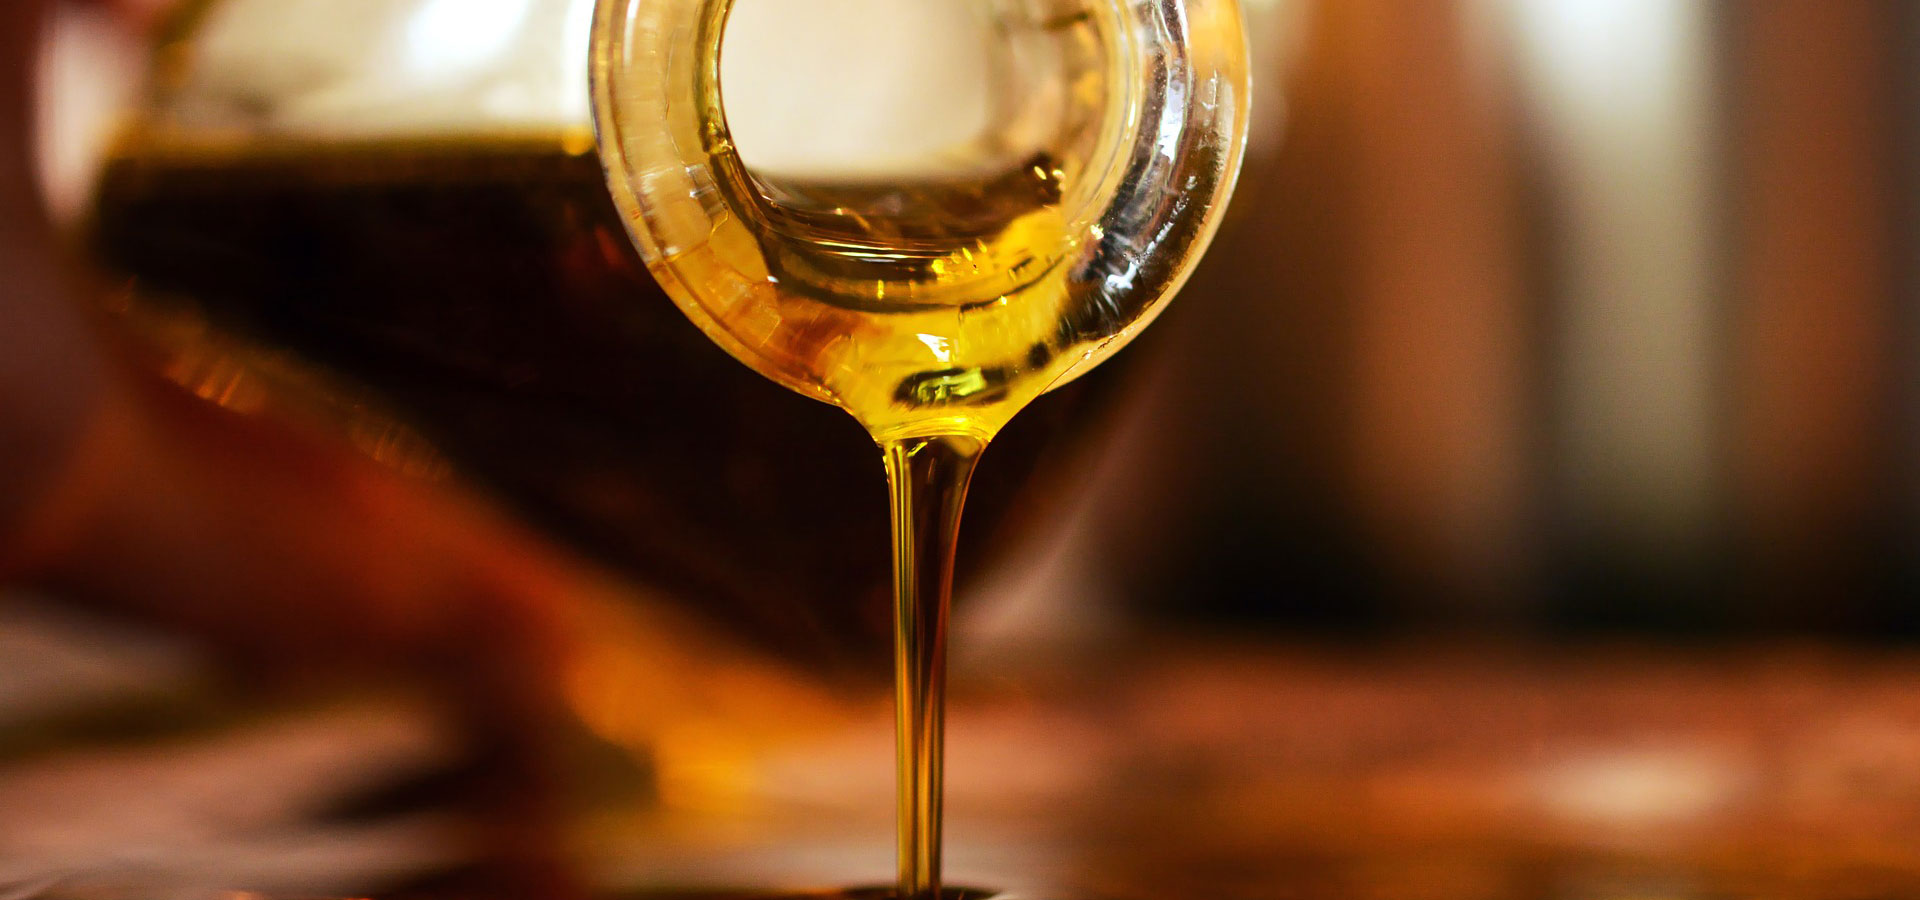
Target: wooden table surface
1189	769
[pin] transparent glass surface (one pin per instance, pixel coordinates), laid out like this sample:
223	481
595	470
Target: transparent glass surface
937	291
1041	178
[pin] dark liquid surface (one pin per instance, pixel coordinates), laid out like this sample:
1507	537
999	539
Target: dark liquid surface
486	292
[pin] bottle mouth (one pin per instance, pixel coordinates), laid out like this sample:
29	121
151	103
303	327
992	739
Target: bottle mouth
900	154
1069	215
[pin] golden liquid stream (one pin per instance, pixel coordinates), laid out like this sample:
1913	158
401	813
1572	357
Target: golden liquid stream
933	311
930	312
932	302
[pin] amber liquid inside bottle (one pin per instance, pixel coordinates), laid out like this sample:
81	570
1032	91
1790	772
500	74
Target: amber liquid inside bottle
482	292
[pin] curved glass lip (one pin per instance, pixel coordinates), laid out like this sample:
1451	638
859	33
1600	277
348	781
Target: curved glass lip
1081	207
610	38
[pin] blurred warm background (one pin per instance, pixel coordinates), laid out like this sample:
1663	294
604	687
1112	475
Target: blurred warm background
1518	503
1561	316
